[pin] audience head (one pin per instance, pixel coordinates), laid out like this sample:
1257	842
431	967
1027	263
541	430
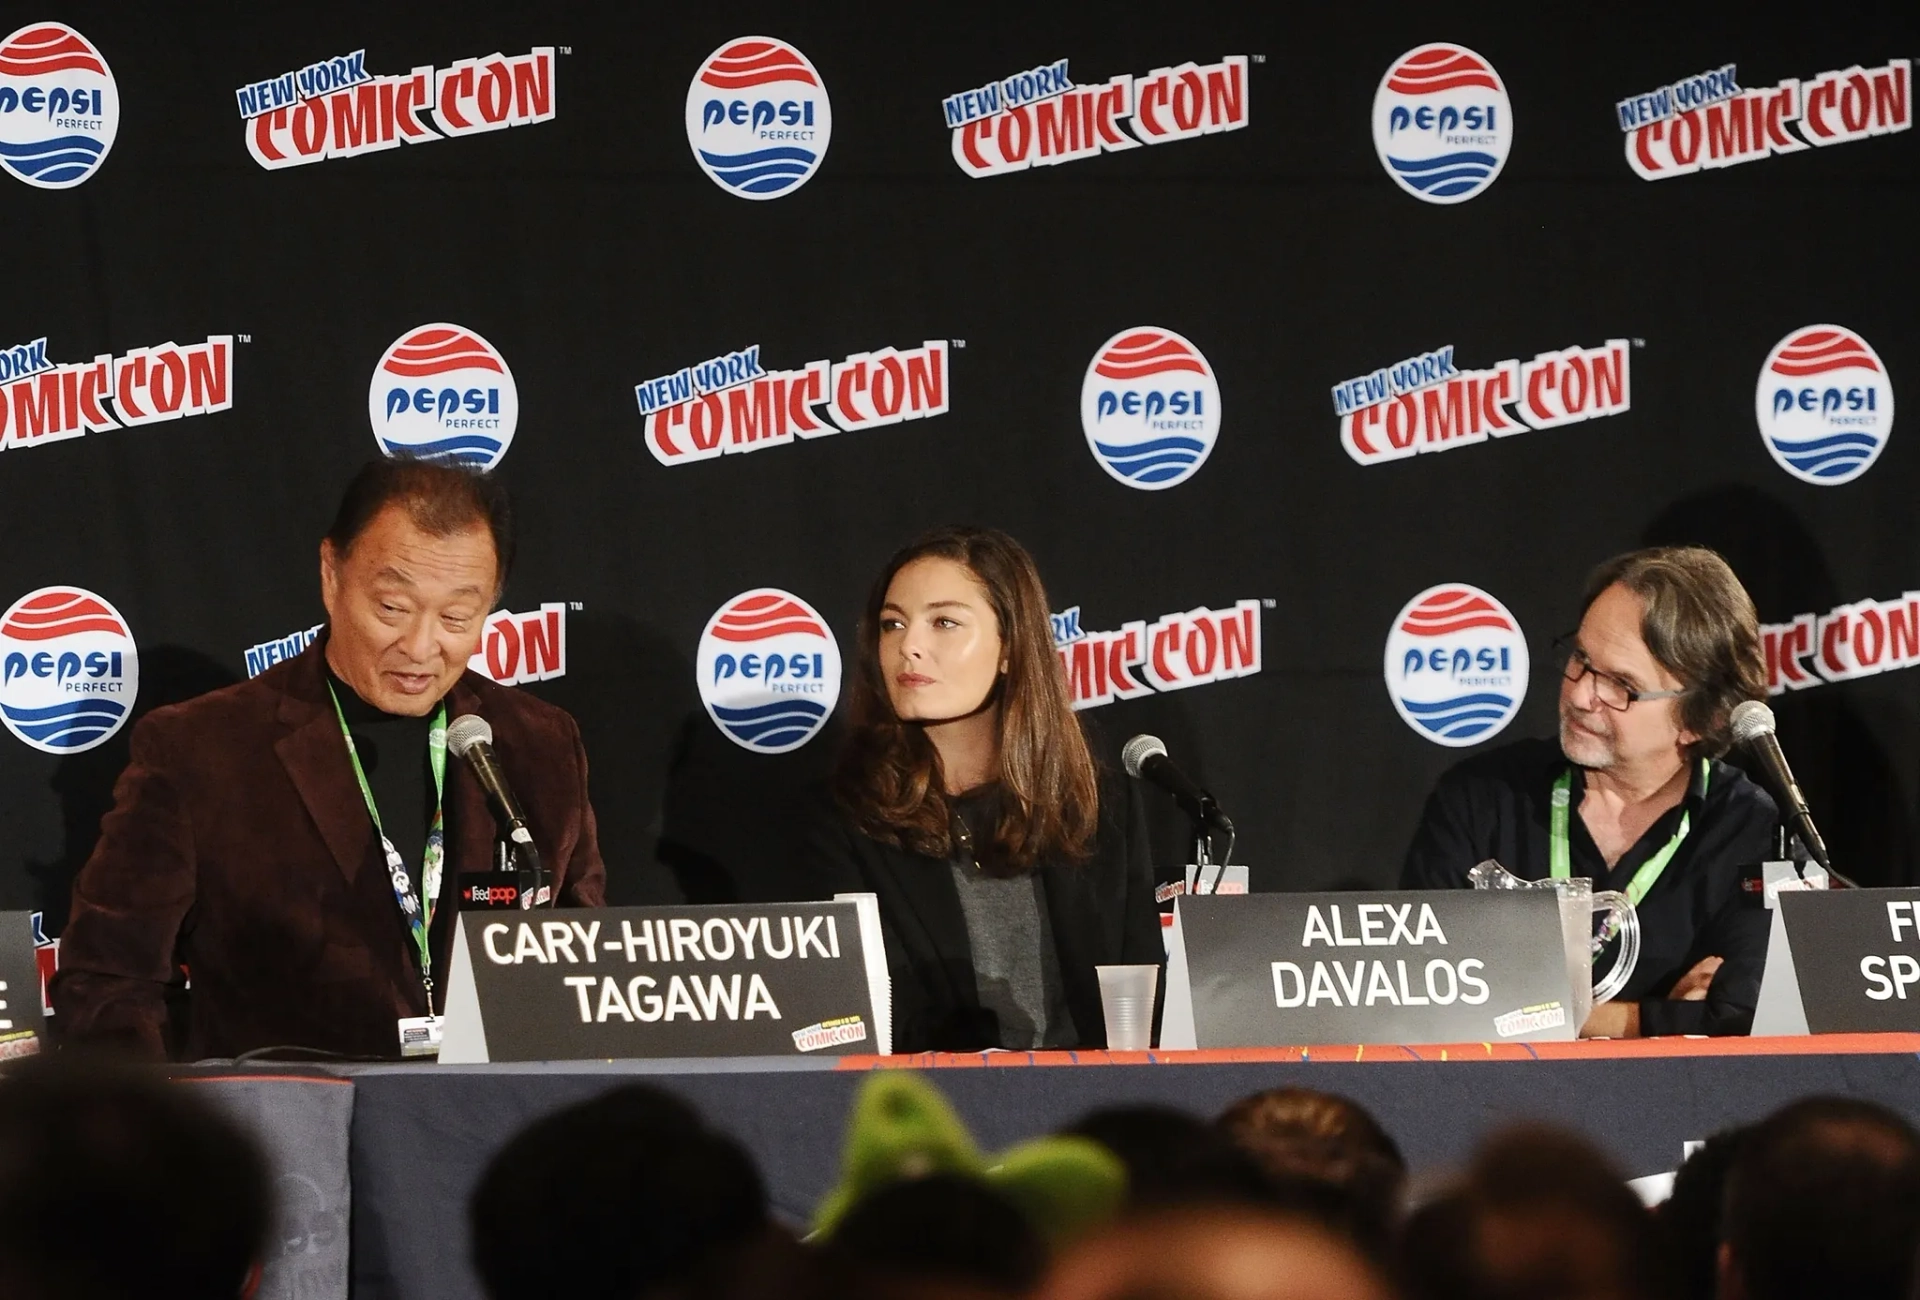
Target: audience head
1822	1199
625	1196
948	1232
1690	1216
118	1183
956	633
1325	1157
1174	1159
1540	1213
1220	1252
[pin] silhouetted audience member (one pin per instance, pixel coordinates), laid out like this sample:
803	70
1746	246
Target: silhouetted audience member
1326	1157
1823	1199
1174	1159
628	1196
1690	1216
1540	1214
944	1233
1219	1252
115	1183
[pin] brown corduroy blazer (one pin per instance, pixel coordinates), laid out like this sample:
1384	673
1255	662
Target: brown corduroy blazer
239	846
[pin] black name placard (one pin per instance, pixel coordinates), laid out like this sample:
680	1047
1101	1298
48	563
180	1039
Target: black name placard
1842	961
1271	970
580	984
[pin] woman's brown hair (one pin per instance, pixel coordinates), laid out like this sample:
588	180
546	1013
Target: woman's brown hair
889	778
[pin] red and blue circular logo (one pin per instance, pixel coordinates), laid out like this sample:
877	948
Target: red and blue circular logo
1824	405
1456	664
69	670
769	670
1150	408
59	109
442	392
758	118
1441	123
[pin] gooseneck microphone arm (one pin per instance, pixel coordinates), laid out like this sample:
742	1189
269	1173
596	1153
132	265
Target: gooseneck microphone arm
470	737
1753	726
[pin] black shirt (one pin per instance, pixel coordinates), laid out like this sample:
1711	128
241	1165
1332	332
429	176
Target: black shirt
1496	805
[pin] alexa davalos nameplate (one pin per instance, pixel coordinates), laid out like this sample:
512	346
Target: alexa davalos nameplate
781	979
1274	970
1842	961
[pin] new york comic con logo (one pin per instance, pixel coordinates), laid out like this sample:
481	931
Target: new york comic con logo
1441	123
1150	408
44	401
441	392
69	670
768	670
758	118
59	109
1456	664
1824	405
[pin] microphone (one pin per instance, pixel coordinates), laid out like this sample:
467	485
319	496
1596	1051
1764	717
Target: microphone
470	737
1753	726
1145	757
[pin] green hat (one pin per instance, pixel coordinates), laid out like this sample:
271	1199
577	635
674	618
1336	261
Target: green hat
903	1128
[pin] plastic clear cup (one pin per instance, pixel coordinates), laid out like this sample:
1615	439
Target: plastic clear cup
1126	996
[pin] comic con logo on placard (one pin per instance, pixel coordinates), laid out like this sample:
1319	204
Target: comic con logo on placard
1150	407
59	109
1441	123
769	670
758	118
442	392
1456	664
69	670
1824	405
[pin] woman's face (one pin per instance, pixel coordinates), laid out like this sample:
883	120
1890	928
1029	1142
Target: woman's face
940	646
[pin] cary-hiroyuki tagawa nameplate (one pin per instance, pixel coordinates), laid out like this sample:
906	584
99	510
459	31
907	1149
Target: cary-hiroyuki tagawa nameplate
1271	970
580	984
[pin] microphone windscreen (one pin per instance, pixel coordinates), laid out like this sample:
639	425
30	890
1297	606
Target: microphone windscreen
466	731
1139	750
1751	719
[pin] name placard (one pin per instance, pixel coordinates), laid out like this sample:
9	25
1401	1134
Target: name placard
1842	961
621	982
1273	970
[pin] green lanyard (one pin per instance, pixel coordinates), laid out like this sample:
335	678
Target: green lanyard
419	912
1560	861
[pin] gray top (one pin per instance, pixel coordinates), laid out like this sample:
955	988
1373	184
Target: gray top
1015	967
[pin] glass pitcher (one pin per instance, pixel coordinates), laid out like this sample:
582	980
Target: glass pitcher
1584	941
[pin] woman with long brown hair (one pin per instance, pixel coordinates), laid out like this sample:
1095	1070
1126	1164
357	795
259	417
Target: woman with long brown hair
1006	864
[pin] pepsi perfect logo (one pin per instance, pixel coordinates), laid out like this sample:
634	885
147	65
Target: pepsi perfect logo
1824	404
768	670
1150	407
1441	123
442	392
1456	664
758	118
59	109
69	670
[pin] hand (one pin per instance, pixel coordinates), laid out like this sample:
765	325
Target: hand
1693	986
1613	1020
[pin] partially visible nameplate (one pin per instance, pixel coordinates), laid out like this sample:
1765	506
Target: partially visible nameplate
22	1024
568	984
1842	961
1446	966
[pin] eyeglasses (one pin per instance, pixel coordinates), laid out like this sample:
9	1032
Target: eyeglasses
1608	689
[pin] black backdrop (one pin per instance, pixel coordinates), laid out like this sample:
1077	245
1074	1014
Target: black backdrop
594	254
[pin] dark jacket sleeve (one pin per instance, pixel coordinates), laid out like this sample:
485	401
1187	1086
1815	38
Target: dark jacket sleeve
585	883
1443	848
130	901
1737	934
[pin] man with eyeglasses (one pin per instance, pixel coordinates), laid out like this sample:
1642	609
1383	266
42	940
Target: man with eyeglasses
1632	795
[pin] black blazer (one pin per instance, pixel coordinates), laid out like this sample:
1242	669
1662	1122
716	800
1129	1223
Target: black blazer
1102	913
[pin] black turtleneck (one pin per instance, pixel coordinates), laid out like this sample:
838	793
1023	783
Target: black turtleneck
393	754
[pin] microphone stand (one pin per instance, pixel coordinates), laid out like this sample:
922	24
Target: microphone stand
1203	845
523	860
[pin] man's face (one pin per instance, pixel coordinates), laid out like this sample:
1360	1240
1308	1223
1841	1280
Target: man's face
1593	735
406	609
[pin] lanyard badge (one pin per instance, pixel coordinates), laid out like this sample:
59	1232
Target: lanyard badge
417	909
1560	857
